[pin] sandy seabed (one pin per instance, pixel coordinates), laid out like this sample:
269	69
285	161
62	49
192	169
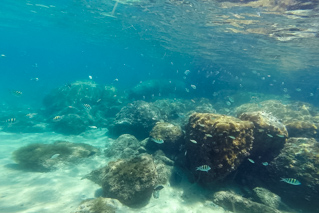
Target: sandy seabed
62	190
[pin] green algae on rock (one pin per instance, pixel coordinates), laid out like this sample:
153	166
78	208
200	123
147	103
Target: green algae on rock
223	142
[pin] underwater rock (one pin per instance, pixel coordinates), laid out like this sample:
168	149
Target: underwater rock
70	124
101	205
301	119
306	129
90	102
125	146
170	134
239	204
299	159
164	167
219	141
267	197
269	135
46	157
138	119
152	89
130	181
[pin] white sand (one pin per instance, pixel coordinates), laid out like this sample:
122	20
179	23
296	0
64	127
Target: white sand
62	190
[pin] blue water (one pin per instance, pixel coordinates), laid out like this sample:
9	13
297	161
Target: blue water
237	48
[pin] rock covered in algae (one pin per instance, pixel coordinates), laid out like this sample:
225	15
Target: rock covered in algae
219	141
125	146
170	134
130	181
299	159
237	203
269	135
73	107
137	118
301	119
46	157
101	205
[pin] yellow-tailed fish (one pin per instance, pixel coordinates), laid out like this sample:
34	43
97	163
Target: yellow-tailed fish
291	181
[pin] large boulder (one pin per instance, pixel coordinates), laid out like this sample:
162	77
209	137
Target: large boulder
221	142
137	118
130	181
269	135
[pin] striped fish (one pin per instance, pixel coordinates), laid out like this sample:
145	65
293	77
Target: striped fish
203	168
291	181
158	140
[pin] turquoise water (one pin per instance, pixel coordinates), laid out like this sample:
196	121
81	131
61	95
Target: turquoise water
225	53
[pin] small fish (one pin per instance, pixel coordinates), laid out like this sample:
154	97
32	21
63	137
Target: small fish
158	140
193	86
281	136
93	127
265	163
208	135
16	93
11	120
228	103
90	77
298	89
291	181
187	90
193	141
202	125
87	106
57	118
261	130
251	161
232	137
55	156
203	168
269	135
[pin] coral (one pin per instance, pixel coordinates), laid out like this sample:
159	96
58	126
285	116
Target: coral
221	142
269	133
130	181
40	157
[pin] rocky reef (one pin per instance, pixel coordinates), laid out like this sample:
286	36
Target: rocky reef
299	159
130	181
151	89
300	119
47	157
125	146
138	119
170	134
73	107
237	203
269	135
219	141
